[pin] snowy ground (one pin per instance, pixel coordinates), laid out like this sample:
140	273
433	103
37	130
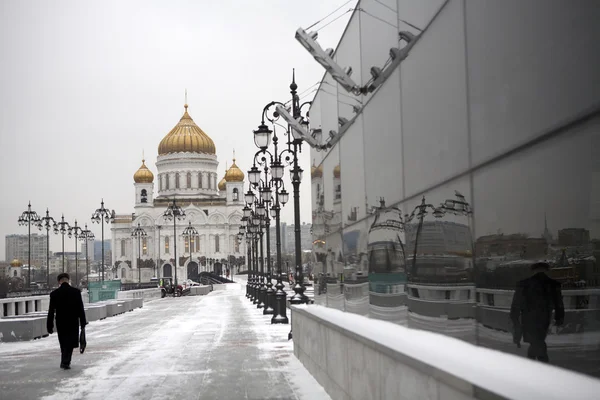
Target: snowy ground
203	347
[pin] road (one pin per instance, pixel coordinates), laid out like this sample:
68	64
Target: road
202	347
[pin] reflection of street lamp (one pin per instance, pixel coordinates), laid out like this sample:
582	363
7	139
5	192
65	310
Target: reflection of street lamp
174	213
47	223
62	227
101	216
190	232
29	217
139	232
75	231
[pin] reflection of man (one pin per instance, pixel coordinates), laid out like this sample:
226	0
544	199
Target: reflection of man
531	310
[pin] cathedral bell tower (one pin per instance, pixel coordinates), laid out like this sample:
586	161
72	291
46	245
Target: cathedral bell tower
144	186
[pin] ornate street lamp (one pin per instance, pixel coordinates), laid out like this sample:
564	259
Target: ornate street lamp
188	233
139	232
101	216
75	230
158	228
47	223
29	217
174	213
289	156
87	236
62	228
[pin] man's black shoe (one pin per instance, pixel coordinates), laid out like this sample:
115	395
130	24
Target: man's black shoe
65	366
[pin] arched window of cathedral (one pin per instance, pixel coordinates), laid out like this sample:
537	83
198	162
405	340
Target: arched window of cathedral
145	246
200	180
209	181
15	273
123	273
122	247
167	244
144	196
160	182
189	180
237	244
197	244
176	180
168	182
217	243
236	195
187	244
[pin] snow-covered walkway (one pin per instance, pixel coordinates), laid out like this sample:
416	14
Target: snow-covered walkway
203	347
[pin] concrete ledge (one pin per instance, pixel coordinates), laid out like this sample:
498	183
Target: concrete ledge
137	303
114	308
25	328
220	286
354	357
145	294
95	311
200	290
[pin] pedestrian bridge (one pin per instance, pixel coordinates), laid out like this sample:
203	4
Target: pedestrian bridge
221	346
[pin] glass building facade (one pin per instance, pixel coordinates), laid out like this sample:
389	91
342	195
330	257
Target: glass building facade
478	157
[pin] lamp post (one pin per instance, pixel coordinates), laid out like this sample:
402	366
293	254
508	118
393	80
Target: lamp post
188	233
294	143
47	223
62	227
29	217
87	236
101	216
139	232
75	230
158	228
174	213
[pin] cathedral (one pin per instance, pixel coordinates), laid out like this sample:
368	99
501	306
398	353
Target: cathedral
187	174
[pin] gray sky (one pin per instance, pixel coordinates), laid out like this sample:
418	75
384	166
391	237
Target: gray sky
86	86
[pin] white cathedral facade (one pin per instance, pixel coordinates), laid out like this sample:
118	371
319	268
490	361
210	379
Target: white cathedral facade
187	174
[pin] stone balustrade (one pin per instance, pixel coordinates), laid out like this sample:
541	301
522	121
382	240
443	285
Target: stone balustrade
354	357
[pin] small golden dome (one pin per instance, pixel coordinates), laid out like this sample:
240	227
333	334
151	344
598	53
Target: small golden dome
16	263
143	175
337	172
186	137
316	172
234	174
221	184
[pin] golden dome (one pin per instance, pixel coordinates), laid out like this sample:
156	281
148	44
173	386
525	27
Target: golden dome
316	172
337	172
186	137
234	174
221	184
143	175
16	263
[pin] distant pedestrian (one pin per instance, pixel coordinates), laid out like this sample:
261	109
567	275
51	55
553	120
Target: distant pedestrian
66	302
531	310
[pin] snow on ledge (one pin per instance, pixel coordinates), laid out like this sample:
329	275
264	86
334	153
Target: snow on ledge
507	375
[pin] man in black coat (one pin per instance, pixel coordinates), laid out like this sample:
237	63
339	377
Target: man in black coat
531	310
67	303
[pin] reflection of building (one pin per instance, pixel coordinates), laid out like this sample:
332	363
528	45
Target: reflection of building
386	252
573	237
17	246
187	172
439	237
515	244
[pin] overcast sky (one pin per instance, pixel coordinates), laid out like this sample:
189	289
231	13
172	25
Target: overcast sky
86	86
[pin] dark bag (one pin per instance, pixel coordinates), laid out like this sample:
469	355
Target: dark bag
82	341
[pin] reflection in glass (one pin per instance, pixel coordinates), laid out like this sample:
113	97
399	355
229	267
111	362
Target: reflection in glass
538	207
